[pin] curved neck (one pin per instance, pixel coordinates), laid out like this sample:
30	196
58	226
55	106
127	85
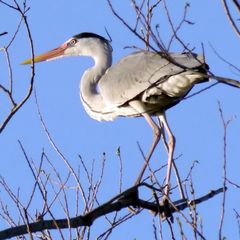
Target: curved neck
91	98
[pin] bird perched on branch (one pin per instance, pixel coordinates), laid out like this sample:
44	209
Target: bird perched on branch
143	84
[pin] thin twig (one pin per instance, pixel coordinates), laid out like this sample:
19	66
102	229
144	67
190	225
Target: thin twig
238	221
223	59
225	126
3	33
61	155
30	88
229	16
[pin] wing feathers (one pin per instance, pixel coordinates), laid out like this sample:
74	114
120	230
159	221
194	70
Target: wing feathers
139	71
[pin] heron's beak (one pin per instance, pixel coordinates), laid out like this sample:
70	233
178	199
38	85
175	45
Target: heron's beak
52	54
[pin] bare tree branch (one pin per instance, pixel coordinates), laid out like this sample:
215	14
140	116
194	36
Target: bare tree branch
17	106
225	127
61	155
125	199
229	15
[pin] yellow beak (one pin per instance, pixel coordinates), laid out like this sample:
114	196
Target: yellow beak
55	53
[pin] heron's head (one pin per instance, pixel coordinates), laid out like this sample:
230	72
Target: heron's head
83	44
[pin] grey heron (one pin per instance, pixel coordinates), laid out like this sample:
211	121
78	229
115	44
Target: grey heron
143	83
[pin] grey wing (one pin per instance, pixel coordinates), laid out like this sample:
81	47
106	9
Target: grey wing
140	71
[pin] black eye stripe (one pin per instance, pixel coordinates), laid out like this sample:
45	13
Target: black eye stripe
90	35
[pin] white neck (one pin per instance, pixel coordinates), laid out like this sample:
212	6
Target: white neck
92	100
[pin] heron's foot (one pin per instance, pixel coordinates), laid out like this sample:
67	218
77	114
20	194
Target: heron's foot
166	209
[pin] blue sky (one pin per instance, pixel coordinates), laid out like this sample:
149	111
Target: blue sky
195	122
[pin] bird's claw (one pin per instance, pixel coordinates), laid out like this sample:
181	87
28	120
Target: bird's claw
166	209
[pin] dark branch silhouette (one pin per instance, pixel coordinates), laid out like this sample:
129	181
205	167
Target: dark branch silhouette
126	199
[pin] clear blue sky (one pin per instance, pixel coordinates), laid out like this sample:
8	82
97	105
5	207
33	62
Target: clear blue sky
196	122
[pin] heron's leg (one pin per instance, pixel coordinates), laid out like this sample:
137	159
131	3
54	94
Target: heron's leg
173	162
156	138
141	109
171	146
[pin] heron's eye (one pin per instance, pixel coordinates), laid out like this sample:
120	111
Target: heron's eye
72	42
